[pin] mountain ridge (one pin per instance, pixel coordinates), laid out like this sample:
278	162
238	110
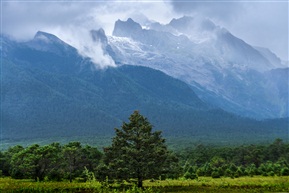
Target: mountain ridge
50	98
217	65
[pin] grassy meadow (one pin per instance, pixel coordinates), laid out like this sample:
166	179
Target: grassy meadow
256	184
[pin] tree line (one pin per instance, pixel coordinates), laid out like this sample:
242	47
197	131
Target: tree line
138	153
54	162
266	160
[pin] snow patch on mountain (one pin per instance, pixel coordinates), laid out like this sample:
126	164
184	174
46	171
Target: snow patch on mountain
206	56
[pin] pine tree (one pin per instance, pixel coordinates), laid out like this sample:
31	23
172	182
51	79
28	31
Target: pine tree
137	152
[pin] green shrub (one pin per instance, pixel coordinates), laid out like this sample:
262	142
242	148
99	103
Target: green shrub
285	171
264	174
191	176
80	179
238	173
228	173
216	174
200	172
271	173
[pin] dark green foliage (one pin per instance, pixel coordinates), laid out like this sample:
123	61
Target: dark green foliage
73	161
216	174
217	161
191	176
205	170
251	170
53	162
32	162
78	159
228	173
137	152
238	161
191	173
238	173
285	171
6	159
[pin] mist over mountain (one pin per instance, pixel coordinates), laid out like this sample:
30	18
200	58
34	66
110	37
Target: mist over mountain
183	85
64	95
228	72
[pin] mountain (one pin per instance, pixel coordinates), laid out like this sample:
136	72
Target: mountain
49	90
276	79
54	92
270	56
227	72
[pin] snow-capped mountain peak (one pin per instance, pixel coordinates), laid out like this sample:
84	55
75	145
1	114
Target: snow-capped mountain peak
205	56
126	28
223	69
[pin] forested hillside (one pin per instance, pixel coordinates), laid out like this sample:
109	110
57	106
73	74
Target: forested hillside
49	90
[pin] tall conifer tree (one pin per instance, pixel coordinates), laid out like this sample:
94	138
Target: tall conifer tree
137	152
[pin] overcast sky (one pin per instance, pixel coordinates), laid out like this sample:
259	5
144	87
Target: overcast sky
259	23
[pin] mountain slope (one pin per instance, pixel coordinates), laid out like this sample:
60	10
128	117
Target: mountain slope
47	94
228	72
51	95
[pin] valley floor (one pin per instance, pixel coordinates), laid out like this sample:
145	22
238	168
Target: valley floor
203	184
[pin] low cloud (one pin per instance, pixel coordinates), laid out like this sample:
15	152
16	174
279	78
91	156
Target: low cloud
258	23
220	10
72	21
81	39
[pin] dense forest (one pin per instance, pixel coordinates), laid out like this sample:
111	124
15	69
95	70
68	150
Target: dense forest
138	153
74	161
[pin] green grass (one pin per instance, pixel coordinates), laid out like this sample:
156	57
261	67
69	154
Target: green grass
256	184
208	184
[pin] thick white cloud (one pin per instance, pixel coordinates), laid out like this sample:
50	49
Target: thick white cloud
222	10
22	19
264	24
259	23
72	21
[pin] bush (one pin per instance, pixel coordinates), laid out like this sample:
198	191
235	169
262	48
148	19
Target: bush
238	173
264	174
55	175
191	176
216	174
80	179
200	172
285	171
271	173
228	173
233	168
